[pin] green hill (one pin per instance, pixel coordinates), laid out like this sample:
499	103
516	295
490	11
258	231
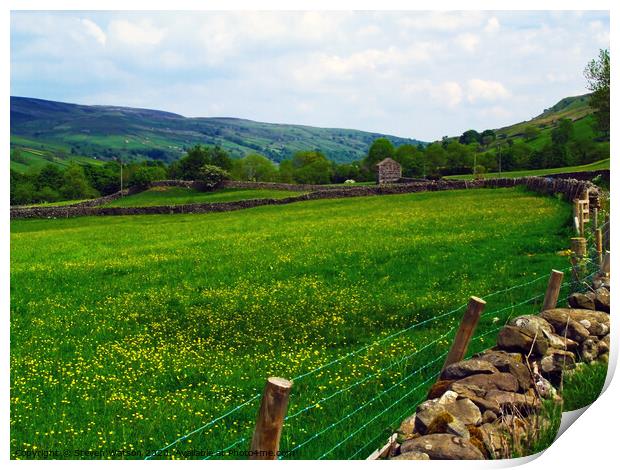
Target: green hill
575	108
105	132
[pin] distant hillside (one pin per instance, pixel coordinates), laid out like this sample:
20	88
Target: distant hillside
575	108
62	130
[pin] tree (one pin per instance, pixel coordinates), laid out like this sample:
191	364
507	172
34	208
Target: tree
410	158
563	133
311	167
380	149
459	157
212	176
285	171
469	137
145	175
75	185
18	157
50	176
597	75
487	137
189	166
531	132
254	167
435	158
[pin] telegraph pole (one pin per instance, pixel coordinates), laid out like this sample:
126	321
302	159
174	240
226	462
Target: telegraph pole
499	149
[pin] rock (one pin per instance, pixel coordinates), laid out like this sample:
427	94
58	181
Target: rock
439	388
407	426
597	323
502	359
511	400
565	325
589	350
532	323
476	395
448	398
495	440
497	381
557	361
411	456
458	429
539	326
601	300
544	387
522	373
432	411
489	416
463	369
513	338
443	447
579	300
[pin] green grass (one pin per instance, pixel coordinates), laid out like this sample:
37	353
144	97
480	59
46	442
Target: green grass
161	196
57	203
600	165
583	386
128	332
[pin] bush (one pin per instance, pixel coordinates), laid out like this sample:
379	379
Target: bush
212	176
145	175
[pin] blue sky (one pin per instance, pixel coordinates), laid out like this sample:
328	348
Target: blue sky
412	74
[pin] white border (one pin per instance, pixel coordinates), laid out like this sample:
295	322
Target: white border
590	442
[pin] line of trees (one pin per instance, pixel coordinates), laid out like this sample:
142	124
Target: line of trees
472	152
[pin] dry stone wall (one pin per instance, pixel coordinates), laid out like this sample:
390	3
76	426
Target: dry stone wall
569	188
487	406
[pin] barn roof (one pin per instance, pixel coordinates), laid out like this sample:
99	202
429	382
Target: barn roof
387	160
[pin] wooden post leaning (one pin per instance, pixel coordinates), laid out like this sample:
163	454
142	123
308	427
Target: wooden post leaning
465	332
266	438
553	290
578	247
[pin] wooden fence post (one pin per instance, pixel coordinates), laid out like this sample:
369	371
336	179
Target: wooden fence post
578	247
606	233
553	290
576	217
465	332
605	265
598	237
594	219
266	438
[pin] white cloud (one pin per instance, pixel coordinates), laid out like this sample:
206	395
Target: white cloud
404	73
492	25
137	33
448	93
468	41
94	30
485	90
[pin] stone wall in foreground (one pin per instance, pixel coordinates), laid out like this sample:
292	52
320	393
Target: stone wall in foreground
569	188
486	407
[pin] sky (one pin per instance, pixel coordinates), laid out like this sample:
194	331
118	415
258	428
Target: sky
413	74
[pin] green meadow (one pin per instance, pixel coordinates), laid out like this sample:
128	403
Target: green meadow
157	196
600	165
128	333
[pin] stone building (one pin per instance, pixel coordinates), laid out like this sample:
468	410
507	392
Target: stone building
388	171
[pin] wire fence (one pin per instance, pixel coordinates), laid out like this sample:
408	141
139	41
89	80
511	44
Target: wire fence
343	408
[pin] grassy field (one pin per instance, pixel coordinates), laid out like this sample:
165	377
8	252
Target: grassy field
129	332
159	196
583	386
600	165
58	203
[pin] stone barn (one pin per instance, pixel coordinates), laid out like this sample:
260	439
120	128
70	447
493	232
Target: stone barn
389	171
